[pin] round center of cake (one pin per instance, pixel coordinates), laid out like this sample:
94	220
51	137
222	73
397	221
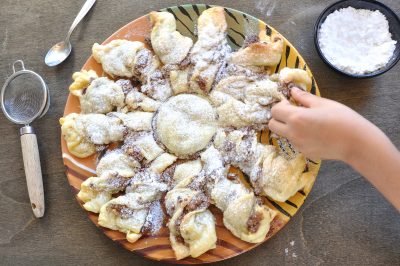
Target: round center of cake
185	124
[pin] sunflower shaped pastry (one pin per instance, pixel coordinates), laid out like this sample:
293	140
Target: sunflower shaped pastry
175	118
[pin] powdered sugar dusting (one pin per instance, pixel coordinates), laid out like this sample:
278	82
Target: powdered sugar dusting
154	219
356	41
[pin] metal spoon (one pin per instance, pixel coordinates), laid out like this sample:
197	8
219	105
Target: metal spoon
59	52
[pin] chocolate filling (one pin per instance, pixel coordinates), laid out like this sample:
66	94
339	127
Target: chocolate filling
253	223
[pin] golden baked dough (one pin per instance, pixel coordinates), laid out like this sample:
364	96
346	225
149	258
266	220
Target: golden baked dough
242	101
271	174
250	222
170	46
239	147
298	77
136	121
94	200
117	57
179	80
142	146
260	53
101	96
146	68
278	177
187	170
82	131
137	100
117	163
162	162
113	171
82	80
76	141
209	52
191	226
128	213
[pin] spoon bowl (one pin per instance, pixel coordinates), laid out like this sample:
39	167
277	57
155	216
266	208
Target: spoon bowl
58	53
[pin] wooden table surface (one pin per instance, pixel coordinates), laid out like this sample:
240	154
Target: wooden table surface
345	221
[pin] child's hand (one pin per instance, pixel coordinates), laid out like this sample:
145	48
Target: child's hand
319	128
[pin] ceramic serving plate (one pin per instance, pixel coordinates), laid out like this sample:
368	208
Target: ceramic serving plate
157	247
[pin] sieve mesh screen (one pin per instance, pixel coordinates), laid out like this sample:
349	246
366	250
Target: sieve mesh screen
24	97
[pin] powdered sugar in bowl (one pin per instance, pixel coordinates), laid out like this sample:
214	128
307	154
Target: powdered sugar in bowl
359	39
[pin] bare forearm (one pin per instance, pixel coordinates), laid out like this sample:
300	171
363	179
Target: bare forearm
378	160
321	128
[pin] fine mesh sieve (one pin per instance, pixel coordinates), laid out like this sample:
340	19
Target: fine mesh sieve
25	97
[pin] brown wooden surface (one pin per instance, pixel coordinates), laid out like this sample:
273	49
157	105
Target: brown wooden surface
344	220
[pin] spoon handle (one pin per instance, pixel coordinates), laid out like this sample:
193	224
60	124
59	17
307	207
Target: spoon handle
84	10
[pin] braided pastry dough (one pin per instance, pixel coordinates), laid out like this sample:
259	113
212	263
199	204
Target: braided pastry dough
191	226
128	213
170	46
243	214
209	52
113	172
242	101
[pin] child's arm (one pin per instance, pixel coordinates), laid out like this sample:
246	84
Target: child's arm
321	128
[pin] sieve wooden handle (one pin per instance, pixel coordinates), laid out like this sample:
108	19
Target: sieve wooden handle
33	173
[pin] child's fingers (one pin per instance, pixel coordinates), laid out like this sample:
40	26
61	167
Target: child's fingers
282	110
277	127
302	97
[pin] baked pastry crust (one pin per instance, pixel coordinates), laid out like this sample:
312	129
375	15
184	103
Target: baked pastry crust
117	57
278	177
294	76
168	44
83	131
210	51
260	53
101	96
190	221
185	124
243	101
